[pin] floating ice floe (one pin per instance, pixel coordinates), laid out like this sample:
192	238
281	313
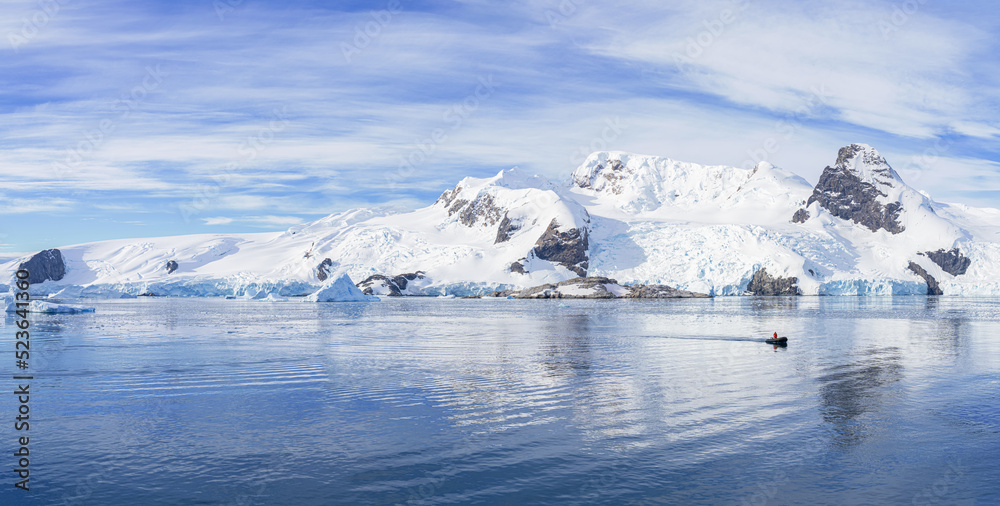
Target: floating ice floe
38	306
340	290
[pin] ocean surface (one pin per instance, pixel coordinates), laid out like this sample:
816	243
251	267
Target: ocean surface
435	401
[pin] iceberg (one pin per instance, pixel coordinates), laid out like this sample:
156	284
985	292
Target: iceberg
340	290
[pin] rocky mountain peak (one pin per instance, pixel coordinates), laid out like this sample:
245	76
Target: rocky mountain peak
867	164
861	187
603	171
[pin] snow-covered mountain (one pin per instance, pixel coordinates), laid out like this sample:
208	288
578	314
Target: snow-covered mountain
637	219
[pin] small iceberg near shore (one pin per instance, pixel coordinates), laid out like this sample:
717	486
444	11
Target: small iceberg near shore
340	290
38	306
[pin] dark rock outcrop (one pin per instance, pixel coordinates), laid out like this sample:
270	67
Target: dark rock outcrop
323	269
763	284
614	173
800	216
377	284
383	282
506	229
449	196
550	290
456	206
569	249
47	265
842	192
402	279
952	262
660	292
171	266
480	211
932	284
518	267
599	289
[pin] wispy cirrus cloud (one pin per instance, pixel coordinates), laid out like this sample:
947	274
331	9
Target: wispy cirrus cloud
259	111
264	221
917	78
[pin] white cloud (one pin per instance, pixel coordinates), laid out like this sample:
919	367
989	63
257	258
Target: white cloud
269	221
350	123
911	83
273	220
218	220
241	202
9	205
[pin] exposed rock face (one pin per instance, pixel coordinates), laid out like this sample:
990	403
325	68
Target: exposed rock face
800	216
932	284
171	266
597	288
952	262
763	284
550	290
383	284
456	206
506	229
402	279
323	269
660	292
448	197
569	249
842	191
518	267
614	173
377	284
44	266
482	211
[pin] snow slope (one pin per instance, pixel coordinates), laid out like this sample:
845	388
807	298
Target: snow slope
637	219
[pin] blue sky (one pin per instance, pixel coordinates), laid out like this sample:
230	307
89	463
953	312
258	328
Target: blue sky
139	119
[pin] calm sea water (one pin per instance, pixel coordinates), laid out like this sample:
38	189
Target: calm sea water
430	401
